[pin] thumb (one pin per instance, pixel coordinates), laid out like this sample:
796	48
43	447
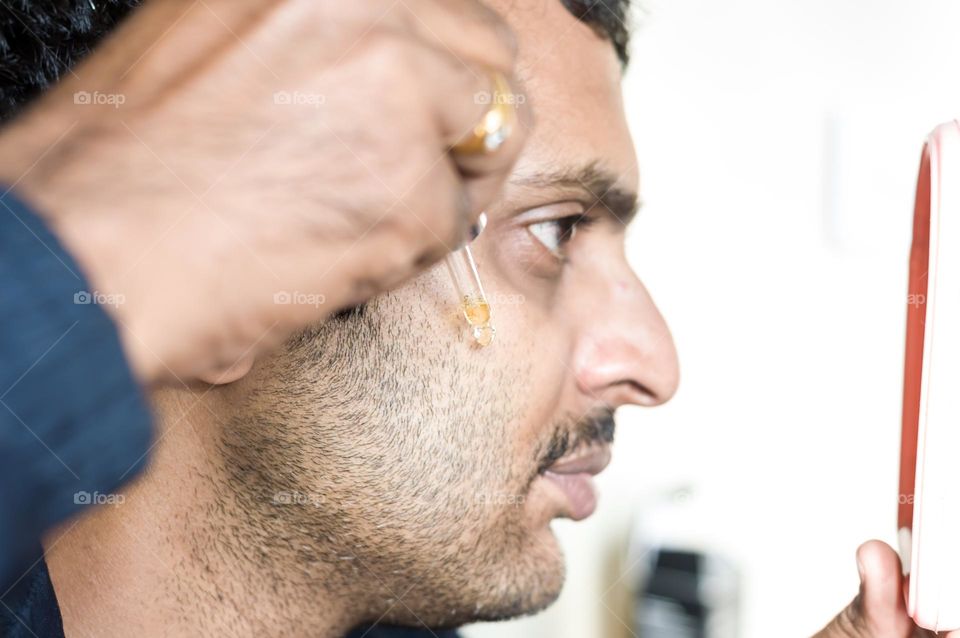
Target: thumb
878	611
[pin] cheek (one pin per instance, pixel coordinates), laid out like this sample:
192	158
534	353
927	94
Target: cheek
479	418
531	377
451	406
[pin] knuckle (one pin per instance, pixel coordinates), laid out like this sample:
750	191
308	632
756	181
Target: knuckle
386	56
850	622
402	224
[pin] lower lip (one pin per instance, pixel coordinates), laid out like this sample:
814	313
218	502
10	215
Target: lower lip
579	490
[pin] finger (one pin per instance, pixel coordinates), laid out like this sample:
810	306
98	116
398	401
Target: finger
485	173
460	97
462	94
878	611
882	589
468	30
441	207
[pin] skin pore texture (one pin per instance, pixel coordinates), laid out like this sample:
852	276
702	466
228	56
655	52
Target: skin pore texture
380	467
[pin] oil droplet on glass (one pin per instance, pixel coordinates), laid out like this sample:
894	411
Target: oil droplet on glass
477	313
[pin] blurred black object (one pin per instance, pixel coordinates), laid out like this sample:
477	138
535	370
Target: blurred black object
687	594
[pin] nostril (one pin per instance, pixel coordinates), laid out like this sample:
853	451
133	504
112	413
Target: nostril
640	394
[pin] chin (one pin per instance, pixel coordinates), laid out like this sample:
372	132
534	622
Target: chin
525	580
509	584
547	569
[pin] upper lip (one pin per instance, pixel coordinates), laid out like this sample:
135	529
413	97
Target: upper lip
590	459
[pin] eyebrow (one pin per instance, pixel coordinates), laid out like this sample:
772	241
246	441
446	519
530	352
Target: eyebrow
597	185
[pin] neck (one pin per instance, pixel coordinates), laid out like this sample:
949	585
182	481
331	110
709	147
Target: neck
176	557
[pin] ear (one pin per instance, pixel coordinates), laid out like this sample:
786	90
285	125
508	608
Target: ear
224	375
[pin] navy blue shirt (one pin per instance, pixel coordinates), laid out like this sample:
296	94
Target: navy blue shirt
73	420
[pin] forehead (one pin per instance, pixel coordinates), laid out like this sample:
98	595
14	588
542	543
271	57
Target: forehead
572	79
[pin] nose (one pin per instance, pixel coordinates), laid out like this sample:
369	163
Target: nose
625	353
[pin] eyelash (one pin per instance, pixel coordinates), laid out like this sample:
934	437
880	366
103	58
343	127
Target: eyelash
567	230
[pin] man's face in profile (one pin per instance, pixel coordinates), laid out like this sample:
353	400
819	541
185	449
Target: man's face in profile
385	460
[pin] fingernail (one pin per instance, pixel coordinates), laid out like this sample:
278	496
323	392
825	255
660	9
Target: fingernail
478	227
860	569
474	231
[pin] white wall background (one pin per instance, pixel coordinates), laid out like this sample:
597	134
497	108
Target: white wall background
779	143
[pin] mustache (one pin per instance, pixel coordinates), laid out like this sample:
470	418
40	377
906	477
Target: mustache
597	427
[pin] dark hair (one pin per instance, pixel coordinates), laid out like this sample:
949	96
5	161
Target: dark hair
608	18
40	41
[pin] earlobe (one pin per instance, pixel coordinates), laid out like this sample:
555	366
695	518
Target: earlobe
229	374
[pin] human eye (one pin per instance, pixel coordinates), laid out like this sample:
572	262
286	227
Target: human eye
555	234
